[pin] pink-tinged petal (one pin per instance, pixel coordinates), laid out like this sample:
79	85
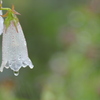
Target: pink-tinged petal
14	48
1	23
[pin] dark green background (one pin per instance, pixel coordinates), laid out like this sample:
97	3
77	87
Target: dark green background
63	38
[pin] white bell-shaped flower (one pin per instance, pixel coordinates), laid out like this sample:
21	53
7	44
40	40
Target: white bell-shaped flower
14	48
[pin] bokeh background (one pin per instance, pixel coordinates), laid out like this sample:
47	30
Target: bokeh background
63	38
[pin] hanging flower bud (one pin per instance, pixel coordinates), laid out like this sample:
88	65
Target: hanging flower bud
1	20
14	47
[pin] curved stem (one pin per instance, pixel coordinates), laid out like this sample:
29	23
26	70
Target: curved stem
5	9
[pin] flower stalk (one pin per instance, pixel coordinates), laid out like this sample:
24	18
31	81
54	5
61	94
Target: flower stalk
14	46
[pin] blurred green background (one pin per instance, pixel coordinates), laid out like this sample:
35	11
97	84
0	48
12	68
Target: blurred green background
63	38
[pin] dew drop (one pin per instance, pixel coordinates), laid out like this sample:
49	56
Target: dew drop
16	73
31	66
7	67
24	64
7	64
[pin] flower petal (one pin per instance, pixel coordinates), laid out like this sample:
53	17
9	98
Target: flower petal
14	48
1	23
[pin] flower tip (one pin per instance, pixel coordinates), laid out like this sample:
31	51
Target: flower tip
15	12
31	66
16	73
0	3
1	70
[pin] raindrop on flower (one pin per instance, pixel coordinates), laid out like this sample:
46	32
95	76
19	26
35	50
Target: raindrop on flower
16	73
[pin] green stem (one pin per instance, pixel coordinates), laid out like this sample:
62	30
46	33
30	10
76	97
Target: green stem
5	9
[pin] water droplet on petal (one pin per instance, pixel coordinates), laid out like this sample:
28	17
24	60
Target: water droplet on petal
16	73
7	64
7	67
24	64
31	66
